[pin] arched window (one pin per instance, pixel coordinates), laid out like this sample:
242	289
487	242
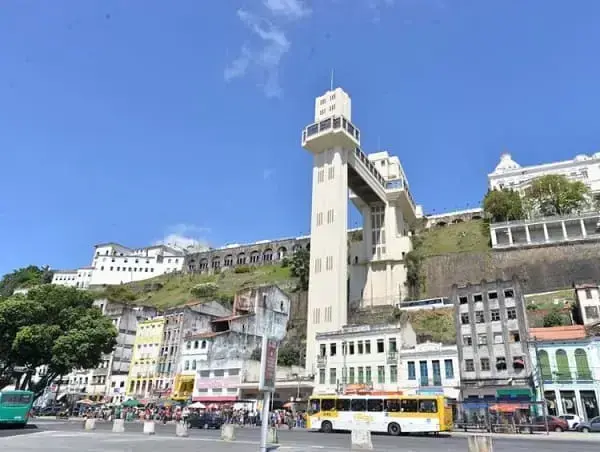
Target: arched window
545	369
241	259
254	257
203	345
228	261
268	255
281	252
583	368
195	344
562	364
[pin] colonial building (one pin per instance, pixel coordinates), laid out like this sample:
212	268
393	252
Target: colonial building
492	335
509	174
568	370
116	264
430	368
588	303
367	355
143	371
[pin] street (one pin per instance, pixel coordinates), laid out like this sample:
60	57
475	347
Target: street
69	436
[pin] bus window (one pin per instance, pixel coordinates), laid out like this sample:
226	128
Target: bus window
392	405
374	405
15	399
358	405
408	406
343	405
328	404
315	406
427	406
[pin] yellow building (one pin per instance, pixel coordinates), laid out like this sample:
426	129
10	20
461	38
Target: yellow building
143	373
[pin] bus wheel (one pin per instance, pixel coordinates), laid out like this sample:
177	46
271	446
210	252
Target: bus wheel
326	427
394	429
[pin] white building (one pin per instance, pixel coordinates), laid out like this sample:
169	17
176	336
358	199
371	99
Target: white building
379	189
361	355
509	174
430	368
114	264
588	303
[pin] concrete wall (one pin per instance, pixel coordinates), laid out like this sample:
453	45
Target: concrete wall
541	269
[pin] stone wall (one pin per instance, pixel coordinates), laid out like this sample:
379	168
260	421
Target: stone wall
541	268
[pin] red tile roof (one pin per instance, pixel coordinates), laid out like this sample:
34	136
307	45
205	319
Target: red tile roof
558	333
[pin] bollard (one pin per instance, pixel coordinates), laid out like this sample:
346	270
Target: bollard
228	432
118	426
480	443
272	436
149	427
90	424
181	430
361	439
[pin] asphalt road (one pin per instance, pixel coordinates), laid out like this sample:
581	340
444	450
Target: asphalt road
53	436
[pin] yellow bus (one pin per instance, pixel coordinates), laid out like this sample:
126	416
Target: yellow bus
394	414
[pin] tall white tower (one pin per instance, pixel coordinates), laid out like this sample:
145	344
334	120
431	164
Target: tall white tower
379	189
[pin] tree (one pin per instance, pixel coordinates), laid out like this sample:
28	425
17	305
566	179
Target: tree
51	326
24	277
291	354
300	267
553	318
503	205
554	194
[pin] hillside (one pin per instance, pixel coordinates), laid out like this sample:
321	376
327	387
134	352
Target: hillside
172	290
455	238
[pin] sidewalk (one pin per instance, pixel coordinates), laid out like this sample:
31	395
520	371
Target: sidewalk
552	436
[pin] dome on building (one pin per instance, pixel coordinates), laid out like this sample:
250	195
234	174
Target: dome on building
506	164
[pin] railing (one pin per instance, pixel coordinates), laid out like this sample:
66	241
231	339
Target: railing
369	164
321	361
392	357
334	123
551	219
567	378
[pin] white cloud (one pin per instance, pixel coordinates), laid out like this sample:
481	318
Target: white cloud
268	30
292	9
185	236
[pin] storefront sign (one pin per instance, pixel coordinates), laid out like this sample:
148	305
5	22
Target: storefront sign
268	371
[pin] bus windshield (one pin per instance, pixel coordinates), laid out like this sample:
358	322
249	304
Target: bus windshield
314	406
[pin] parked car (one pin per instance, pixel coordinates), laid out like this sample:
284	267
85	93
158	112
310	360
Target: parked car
205	420
592	425
555	424
572	419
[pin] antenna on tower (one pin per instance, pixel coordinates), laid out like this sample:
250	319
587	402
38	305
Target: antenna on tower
331	84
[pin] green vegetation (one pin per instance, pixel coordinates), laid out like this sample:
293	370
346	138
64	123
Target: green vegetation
547	300
299	266
503	205
554	318
548	195
172	290
24	278
455	238
435	325
554	194
415	280
53	326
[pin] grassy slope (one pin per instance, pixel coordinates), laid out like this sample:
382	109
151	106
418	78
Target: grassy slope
455	238
167	291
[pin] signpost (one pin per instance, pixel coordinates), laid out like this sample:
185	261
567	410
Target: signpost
268	377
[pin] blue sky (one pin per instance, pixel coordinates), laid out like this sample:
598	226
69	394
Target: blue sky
131	121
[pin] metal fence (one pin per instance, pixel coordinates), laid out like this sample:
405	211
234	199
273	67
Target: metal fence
502	417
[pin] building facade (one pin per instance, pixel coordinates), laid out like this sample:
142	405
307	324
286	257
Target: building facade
430	368
509	174
379	189
143	371
568	370
114	264
492	337
367	355
587	298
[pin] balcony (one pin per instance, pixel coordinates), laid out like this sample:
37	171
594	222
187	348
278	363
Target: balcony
321	362
330	132
392	357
